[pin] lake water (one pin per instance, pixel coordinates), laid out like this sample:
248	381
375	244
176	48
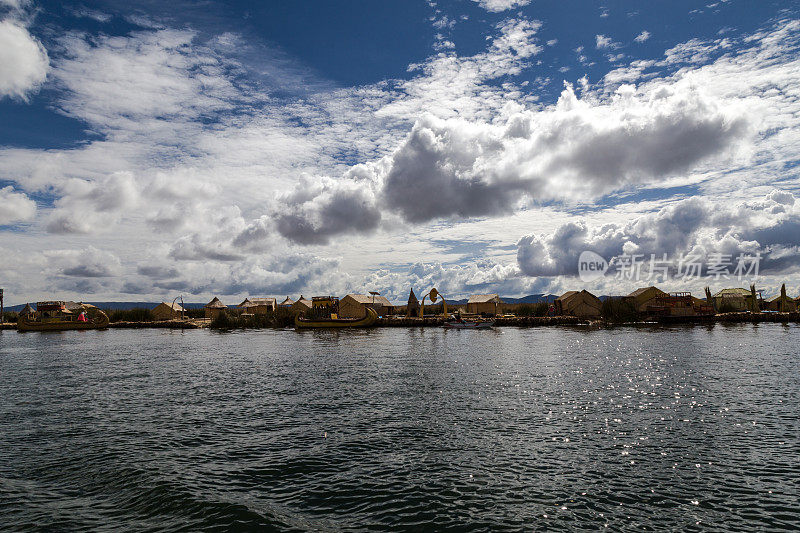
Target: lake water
406	429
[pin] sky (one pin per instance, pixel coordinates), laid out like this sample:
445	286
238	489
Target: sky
154	149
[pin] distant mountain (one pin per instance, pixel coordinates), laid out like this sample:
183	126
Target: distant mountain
530	299
119	306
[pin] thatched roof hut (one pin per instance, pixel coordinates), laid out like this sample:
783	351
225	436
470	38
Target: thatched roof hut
214	308
354	305
733	299
215	304
258	306
483	304
644	296
27	310
165	311
578	303
286	303
774	304
301	306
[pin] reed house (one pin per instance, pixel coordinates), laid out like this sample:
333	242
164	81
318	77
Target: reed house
301	306
258	306
165	311
214	308
355	305
735	299
483	304
644	297
578	303
774	304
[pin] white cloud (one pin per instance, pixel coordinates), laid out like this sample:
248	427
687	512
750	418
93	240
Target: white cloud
196	154
92	206
23	61
15	207
496	6
86	263
642	37
576	149
691	227
142	82
603	42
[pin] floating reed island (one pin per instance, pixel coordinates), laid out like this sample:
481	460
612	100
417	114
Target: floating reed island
645	305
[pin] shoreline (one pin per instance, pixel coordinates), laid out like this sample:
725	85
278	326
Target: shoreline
528	322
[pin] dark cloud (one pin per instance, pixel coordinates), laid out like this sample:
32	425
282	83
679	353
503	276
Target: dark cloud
86	263
197	248
256	236
334	212
89	271
157	271
457	169
690	226
431	177
667	145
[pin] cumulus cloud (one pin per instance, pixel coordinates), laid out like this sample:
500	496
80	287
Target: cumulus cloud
452	280
23	61
211	238
89	262
496	6
642	37
433	174
692	227
196	146
15	206
603	42
316	212
91	206
285	273
576	149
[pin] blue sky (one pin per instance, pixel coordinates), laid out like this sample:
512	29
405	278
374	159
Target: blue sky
224	148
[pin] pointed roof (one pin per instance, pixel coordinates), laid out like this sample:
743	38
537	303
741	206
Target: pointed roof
256	302
216	304
569	294
303	301
643	290
412	299
27	310
175	306
287	302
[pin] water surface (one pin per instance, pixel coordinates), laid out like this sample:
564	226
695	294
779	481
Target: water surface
543	428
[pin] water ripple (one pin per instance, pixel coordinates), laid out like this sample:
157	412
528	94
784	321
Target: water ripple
513	429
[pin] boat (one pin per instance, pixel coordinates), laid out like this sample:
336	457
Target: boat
467	324
58	316
324	313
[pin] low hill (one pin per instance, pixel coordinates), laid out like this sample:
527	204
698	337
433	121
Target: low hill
119	306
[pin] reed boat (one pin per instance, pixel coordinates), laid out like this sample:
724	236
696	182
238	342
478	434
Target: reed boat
330	322
56	316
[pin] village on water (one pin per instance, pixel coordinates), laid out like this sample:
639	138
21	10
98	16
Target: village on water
480	311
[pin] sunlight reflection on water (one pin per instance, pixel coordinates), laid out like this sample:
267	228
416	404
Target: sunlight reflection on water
401	428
